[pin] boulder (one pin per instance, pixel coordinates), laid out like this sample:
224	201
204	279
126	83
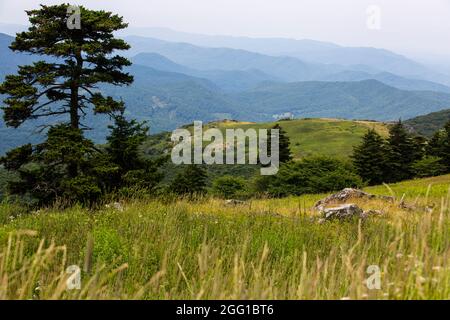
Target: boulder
346	194
343	212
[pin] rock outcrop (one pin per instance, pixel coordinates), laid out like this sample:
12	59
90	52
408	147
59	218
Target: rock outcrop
347	194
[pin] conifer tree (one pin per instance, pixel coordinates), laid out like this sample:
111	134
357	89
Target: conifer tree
64	82
63	85
369	158
284	151
133	170
443	146
402	153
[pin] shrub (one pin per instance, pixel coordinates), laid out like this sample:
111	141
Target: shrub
311	175
429	166
229	187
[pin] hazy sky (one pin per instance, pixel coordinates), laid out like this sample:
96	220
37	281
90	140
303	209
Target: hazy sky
405	25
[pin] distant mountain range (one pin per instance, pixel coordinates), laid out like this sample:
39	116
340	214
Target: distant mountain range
369	59
177	83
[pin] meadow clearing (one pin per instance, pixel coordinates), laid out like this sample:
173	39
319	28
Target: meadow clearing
203	249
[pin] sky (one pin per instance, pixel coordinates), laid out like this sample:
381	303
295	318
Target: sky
405	26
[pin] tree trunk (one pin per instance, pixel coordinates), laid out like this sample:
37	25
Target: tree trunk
74	105
74	118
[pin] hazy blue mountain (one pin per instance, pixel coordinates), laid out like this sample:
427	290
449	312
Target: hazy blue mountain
306	50
236	80
159	62
202	58
9	60
389	79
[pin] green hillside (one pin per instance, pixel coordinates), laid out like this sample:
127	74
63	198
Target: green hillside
428	124
309	137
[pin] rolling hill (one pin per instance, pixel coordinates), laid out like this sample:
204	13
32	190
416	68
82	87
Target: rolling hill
368	99
309	137
428	124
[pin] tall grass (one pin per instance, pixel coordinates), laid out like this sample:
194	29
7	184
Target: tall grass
267	249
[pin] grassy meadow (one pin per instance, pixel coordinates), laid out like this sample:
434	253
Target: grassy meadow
203	249
312	137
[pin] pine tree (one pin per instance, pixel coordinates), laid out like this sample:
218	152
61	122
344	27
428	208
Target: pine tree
284	151
402	153
75	60
43	171
369	158
435	145
133	170
63	85
443	146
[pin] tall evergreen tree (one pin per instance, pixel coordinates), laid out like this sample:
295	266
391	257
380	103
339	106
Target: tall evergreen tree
43	173
63	84
285	154
75	61
443	146
369	158
133	170
403	151
435	145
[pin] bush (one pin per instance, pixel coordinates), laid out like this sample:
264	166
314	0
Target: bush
429	166
311	175
229	187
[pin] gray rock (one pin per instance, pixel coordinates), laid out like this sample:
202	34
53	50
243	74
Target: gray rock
346	194
343	212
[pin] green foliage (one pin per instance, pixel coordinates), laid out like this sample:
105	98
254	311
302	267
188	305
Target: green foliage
370	158
284	145
123	151
191	181
310	175
428	124
79	59
60	168
229	187
403	151
67	166
429	166
108	246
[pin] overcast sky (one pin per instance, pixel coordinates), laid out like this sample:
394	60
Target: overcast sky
405	26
